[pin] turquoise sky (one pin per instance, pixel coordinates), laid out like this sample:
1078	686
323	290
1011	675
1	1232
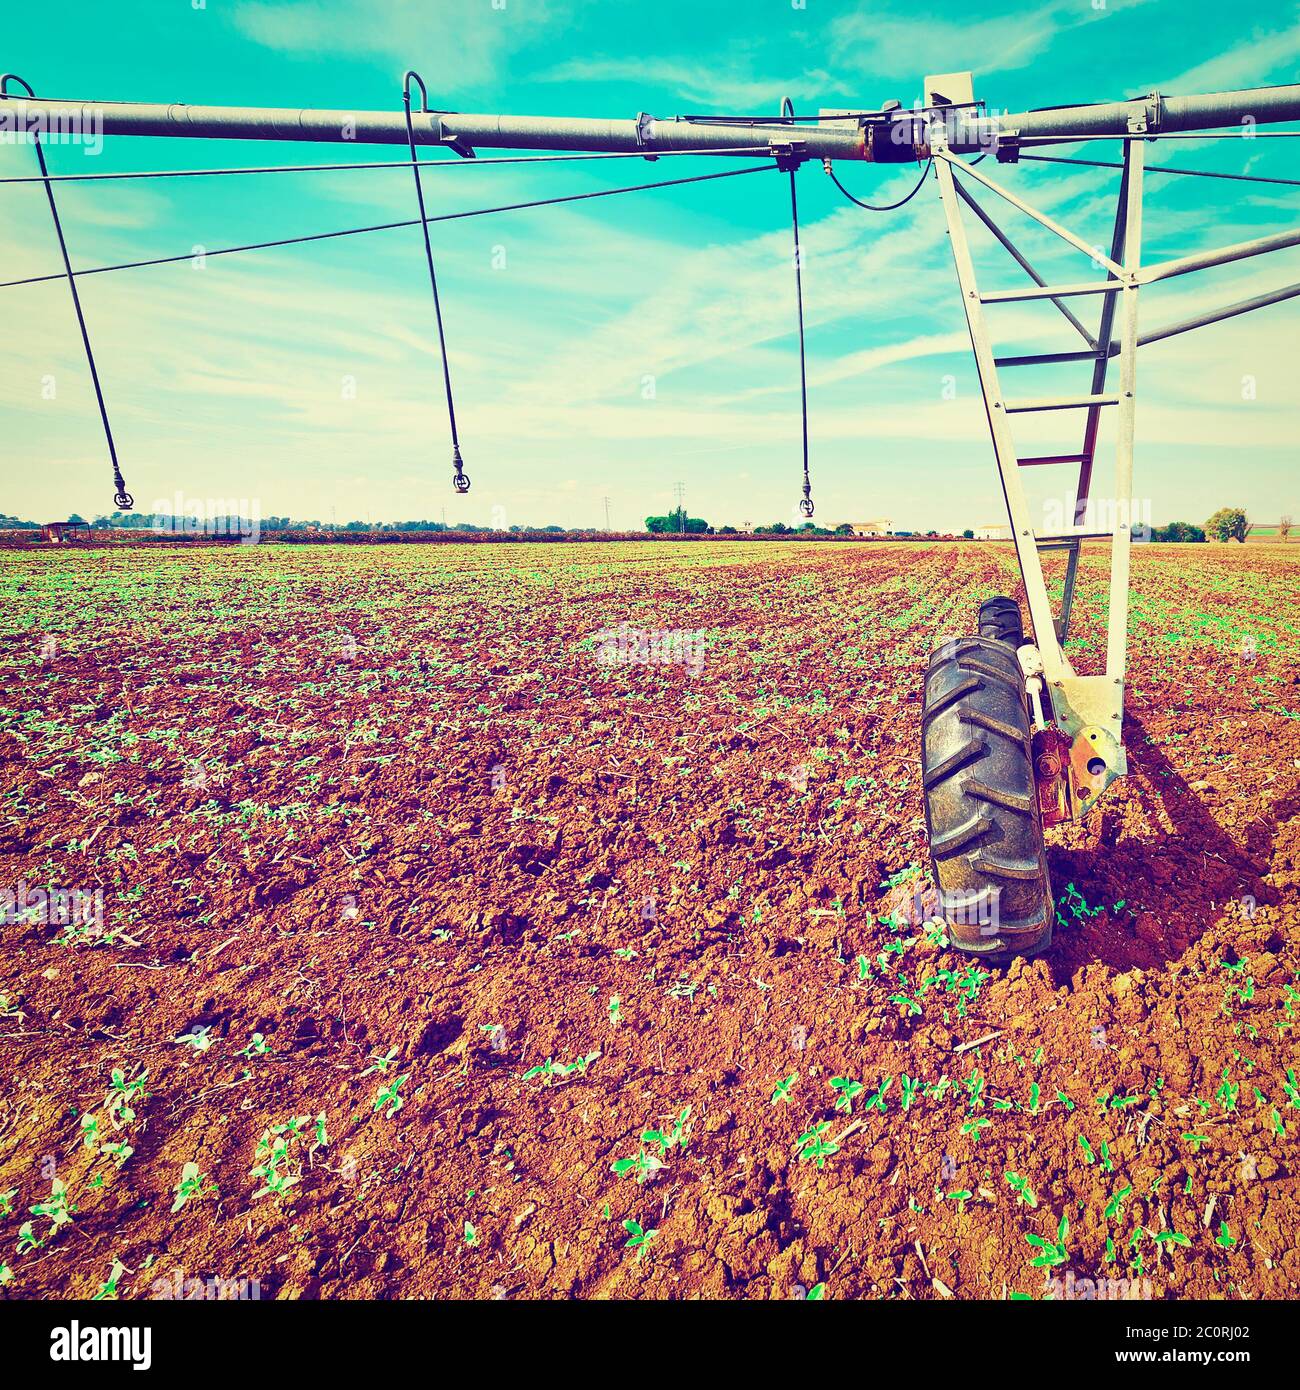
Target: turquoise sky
305	381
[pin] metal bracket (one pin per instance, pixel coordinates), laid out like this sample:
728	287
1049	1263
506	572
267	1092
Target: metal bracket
789	154
455	142
1008	147
645	132
451	142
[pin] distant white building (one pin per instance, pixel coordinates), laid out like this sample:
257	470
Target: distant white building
993	533
881	526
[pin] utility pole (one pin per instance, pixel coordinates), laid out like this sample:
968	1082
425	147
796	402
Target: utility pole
608	527
679	491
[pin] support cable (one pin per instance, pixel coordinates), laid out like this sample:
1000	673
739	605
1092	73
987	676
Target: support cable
439	165
391	226
121	497
806	503
1159	169
460	479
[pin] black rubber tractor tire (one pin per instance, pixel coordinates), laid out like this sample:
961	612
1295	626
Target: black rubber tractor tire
981	806
1000	619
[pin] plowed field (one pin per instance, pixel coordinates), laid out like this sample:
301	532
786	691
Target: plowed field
446	949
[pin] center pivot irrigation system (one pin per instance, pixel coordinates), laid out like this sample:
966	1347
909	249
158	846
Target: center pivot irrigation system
1013	738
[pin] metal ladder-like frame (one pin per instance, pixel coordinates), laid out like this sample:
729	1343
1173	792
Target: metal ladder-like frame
1086	709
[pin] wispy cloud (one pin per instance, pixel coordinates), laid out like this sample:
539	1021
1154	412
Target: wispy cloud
469	44
911	46
725	86
1265	54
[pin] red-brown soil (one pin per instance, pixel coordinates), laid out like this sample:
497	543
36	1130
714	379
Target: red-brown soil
386	800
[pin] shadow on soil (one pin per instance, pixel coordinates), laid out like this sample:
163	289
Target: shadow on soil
1173	885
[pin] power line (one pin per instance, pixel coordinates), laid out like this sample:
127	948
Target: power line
390	226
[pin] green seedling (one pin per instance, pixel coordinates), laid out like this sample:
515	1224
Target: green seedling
1020	1186
1172	1238
961	1198
380	1062
812	1145
56	1208
1050	1252
782	1091
848	1091
638	1238
877	1102
1291	1089
471	1235
90	1131
675	1137
257	1047
7	1201
1116	1203
615	1011
552	1071
272	1158
388	1097
108	1289
190	1185
817	1294
641	1166
27	1239
121	1095
1225	1238
197	1038
1227	1094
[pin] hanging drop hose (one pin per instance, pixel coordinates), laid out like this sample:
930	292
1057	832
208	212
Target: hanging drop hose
121	497
460	479
883	207
806	503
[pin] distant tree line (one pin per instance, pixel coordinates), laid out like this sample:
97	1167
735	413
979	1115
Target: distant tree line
678	523
1177	531
1227	524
